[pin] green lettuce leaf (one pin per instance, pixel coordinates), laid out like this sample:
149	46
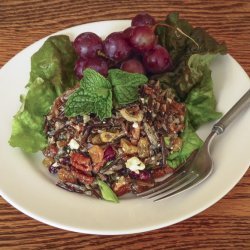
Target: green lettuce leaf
51	74
191	142
27	132
54	62
201	102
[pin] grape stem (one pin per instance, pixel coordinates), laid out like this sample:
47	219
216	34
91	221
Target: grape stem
179	30
101	54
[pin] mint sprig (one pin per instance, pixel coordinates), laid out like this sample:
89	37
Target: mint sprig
125	85
96	93
93	96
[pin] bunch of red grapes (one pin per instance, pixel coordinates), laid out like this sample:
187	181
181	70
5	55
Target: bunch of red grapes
133	50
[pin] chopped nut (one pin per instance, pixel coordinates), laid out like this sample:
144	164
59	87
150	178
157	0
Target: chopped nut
177	143
96	139
132	116
122	186
86	179
136	132
66	176
48	161
81	162
127	147
143	147
108	136
96	153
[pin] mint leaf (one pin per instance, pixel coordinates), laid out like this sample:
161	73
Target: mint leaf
103	107
95	92
125	85
94	83
107	192
78	103
93	96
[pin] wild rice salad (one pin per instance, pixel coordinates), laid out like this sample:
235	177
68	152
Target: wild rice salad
128	151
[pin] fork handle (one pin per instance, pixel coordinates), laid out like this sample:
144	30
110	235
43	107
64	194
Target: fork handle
238	107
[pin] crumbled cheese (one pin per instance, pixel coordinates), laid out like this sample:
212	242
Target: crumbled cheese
55	164
73	144
86	118
142	100
134	164
58	125
51	140
135	125
60	151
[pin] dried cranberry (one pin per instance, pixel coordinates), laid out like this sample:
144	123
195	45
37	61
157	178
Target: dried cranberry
65	160
53	170
109	154
144	175
134	175
123	171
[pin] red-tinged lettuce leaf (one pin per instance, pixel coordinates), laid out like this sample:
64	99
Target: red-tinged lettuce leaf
182	40
188	49
171	39
191	50
187	75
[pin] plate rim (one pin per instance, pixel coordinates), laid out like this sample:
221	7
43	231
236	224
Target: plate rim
111	232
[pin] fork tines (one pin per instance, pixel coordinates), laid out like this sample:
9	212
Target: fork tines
182	179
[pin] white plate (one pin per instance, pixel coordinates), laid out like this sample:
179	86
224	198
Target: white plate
26	185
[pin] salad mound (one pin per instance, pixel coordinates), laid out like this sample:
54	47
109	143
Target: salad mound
112	115
128	151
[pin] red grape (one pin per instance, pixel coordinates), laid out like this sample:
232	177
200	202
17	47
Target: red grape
116	47
80	65
133	66
142	38
97	64
87	44
157	60
127	33
142	19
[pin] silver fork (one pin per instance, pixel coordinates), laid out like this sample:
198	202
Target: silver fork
197	169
